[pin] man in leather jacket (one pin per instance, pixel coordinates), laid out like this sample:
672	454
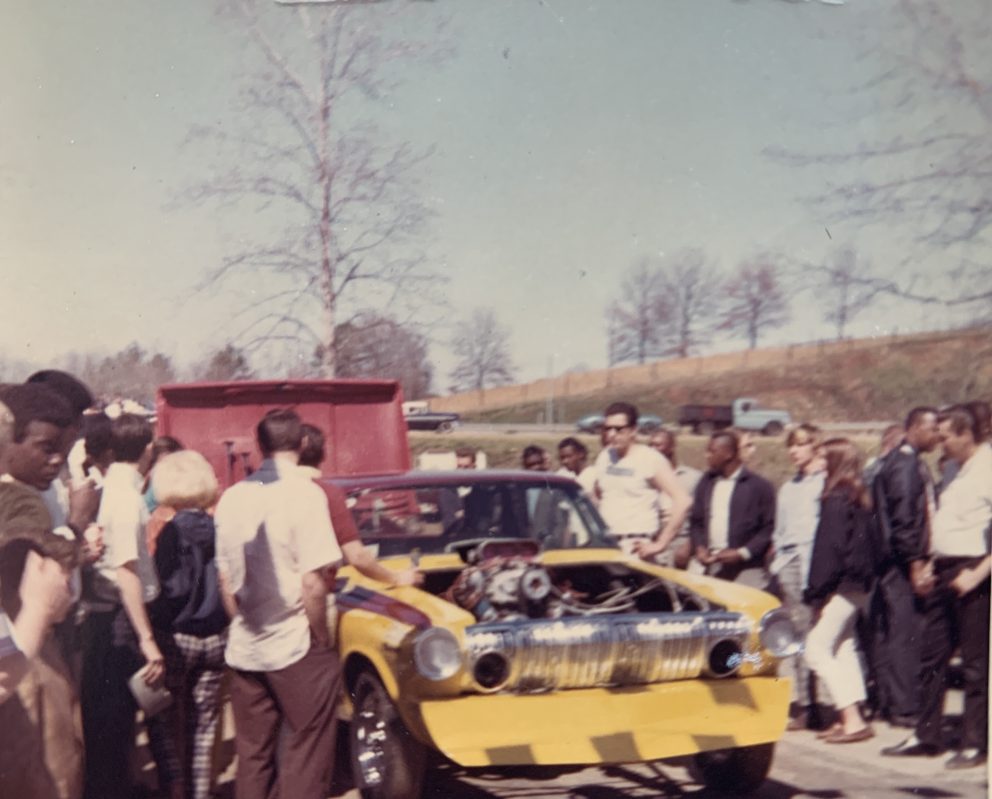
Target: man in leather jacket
904	498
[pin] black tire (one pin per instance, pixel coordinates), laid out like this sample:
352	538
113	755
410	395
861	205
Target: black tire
772	429
445	427
387	762
735	771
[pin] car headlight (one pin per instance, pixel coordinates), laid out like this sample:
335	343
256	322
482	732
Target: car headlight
436	654
779	635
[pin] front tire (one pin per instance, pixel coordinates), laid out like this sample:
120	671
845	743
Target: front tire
735	771
445	427
772	429
387	762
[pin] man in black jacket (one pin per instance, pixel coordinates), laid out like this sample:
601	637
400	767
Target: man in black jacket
905	500
733	515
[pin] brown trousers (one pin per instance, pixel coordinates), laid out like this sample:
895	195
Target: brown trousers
41	734
304	696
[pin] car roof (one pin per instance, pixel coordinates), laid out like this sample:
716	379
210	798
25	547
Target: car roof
453	477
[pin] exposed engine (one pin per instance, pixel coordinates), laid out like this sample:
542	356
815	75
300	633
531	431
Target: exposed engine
500	584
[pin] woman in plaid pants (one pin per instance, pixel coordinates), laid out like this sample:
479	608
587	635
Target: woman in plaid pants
190	601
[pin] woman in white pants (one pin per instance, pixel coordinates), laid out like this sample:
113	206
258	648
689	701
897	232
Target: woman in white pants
840	576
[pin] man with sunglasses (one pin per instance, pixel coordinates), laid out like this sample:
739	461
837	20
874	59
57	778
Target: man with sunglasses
630	478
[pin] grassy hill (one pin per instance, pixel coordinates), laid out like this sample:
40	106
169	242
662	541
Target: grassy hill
866	384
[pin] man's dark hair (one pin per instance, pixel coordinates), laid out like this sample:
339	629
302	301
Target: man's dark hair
280	431
625	408
914	416
97	434
130	435
575	444
531	451
982	412
35	403
732	439
312	453
961	419
465	452
69	387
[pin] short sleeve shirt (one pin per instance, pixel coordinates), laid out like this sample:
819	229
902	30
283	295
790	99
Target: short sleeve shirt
628	498
123	516
271	530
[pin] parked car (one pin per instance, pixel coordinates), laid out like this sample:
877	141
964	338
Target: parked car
744	413
593	423
420	417
534	641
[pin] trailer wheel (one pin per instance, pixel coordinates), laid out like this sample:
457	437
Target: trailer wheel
772	429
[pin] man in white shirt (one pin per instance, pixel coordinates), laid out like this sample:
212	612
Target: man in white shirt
118	638
797	515
274	542
666	442
629	478
954	583
574	459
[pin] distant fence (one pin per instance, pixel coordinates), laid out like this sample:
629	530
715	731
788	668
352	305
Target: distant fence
578	383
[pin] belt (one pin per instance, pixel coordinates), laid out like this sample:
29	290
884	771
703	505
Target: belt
633	535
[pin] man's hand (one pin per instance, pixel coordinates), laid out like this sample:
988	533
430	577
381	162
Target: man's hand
968	580
408	577
728	555
93	546
45	589
703	555
921	577
646	549
154	671
84	501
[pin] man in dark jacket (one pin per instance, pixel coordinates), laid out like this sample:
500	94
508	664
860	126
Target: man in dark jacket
733	515
905	500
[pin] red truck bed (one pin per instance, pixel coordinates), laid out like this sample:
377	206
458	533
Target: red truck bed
362	421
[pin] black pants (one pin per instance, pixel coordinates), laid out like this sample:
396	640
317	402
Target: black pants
951	621
897	623
110	656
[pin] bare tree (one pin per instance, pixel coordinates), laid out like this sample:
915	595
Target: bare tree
132	373
930	180
377	346
755	299
227	363
482	345
841	289
348	205
633	319
689	288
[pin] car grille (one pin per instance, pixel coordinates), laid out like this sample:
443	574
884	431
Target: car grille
580	652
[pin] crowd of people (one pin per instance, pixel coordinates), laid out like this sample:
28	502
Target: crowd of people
128	580
883	568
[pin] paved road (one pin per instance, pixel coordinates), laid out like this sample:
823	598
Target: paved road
803	767
530	429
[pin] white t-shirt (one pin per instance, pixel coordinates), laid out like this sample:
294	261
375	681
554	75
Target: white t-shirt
586	478
962	520
628	498
271	530
123	516
719	529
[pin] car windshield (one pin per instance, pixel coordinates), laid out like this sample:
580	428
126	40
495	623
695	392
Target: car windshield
434	518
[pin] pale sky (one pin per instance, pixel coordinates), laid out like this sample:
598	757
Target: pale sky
572	137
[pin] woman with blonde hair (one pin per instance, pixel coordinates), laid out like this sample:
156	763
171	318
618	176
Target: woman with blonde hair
842	570
190	606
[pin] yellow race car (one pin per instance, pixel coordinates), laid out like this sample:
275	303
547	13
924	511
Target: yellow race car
535	641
